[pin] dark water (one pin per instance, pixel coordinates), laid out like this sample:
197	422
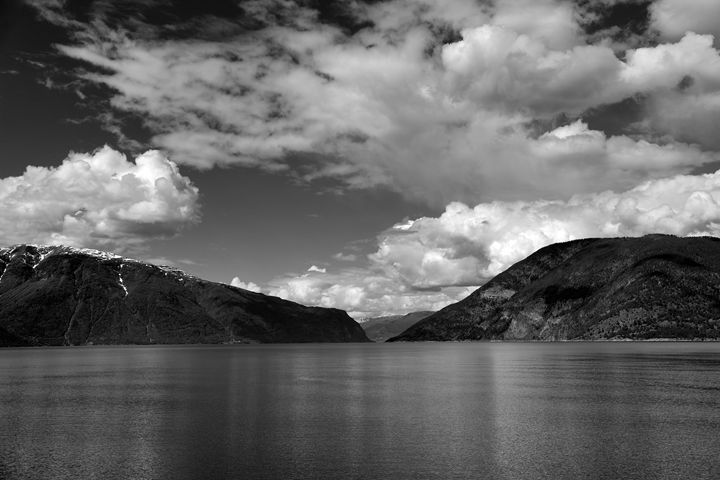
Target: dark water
471	410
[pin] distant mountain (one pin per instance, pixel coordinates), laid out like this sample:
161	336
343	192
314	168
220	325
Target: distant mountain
67	296
380	329
657	286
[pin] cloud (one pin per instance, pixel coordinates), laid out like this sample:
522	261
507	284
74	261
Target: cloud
98	200
552	22
492	162
692	116
576	140
665	66
691	110
499	67
448	103
494	66
673	18
430	262
345	257
362	292
253	287
314	268
436	103
468	245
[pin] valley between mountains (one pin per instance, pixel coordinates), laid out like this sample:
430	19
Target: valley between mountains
653	287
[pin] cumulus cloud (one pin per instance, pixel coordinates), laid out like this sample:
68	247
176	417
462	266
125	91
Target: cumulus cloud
315	268
690	111
430	262
433	102
468	245
445	103
99	200
251	286
576	141
500	67
497	66
666	65
362	292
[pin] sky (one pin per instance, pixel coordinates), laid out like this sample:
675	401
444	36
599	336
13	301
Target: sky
380	157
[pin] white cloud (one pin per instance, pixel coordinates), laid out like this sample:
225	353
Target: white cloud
395	105
488	164
674	18
315	268
430	262
690	111
362	292
549	20
467	245
576	141
392	106
665	65
552	22
497	66
99	200
251	286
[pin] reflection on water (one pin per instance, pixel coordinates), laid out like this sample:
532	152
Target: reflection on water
433	410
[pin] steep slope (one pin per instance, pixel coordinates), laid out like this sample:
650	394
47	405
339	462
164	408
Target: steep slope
66	296
657	286
381	328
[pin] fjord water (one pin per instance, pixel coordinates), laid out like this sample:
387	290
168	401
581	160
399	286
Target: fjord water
430	410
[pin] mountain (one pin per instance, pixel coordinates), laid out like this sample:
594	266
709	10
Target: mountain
65	296
380	329
657	286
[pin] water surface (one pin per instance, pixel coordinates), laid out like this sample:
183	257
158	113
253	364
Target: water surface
370	411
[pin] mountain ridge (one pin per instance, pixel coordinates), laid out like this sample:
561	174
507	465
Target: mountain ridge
657	286
59	295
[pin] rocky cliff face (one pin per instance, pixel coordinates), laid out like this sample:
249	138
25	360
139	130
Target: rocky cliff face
381	328
657	286
66	296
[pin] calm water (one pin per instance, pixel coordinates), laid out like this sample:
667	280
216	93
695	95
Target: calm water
469	410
